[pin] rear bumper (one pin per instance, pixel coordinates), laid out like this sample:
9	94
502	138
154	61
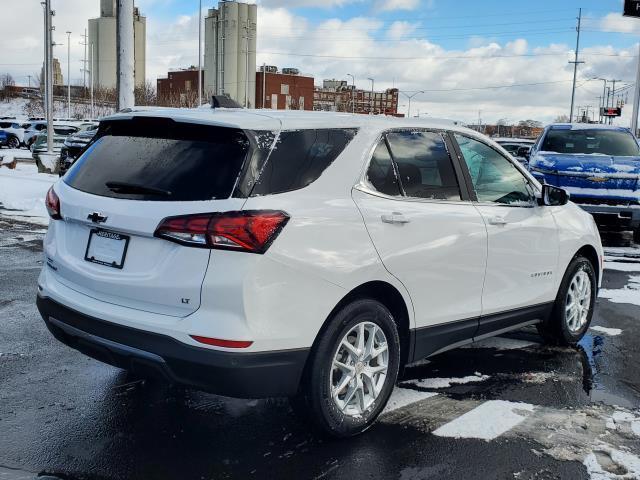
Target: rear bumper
244	375
619	217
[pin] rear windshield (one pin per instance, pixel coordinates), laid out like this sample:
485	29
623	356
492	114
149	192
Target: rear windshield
596	142
162	160
159	159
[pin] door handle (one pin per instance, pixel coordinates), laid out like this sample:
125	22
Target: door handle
394	218
497	220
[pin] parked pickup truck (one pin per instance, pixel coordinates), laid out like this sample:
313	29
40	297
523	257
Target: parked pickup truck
599	165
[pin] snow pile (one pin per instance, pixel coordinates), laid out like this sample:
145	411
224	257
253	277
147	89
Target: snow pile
15	107
487	421
446	382
22	192
607	331
629	294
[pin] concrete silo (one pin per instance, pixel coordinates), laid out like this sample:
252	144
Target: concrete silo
230	52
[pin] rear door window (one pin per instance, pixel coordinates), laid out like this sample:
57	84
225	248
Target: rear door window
299	157
162	160
424	165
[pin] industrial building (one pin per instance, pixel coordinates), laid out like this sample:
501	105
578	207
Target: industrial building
58	79
339	96
102	42
283	90
230	52
179	88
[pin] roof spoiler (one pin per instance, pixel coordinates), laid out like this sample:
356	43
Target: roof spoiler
222	101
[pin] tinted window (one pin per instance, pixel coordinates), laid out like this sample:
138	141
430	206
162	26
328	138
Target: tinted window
424	165
299	158
494	178
158	159
595	141
380	174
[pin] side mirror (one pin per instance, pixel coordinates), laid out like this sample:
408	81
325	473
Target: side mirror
524	152
553	196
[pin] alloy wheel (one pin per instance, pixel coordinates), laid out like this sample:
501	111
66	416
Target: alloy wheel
359	368
578	301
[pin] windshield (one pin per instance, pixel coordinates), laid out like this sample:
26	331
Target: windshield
591	142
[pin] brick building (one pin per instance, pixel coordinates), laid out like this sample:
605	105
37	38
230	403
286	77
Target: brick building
180	88
283	90
339	96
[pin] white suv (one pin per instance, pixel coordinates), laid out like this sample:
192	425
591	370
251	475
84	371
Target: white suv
301	254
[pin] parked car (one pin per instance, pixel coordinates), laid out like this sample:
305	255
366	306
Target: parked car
4	138
73	147
61	132
305	254
519	148
33	130
599	165
15	133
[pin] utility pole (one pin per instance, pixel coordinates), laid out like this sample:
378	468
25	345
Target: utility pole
29	80
575	65
84	63
200	53
636	100
410	97
371	102
353	91
68	74
91	80
264	83
48	14
125	60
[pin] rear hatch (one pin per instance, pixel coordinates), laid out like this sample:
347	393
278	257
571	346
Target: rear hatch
136	173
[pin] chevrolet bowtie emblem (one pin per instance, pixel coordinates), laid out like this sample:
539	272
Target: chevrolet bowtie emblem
95	217
597	179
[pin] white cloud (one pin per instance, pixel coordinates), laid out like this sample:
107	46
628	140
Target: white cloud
615	22
391	5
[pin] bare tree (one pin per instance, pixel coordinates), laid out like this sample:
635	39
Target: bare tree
146	94
6	80
561	119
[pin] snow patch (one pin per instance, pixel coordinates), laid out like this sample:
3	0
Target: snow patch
487	421
446	382
629	294
401	397
607	463
501	343
607	331
622	266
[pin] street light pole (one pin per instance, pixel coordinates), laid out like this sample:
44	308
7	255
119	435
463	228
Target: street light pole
371	100
353	91
68	74
410	97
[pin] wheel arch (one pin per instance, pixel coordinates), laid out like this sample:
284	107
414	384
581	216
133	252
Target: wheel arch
590	253
390	297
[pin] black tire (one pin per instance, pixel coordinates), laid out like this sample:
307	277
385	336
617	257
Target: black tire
315	402
13	142
555	330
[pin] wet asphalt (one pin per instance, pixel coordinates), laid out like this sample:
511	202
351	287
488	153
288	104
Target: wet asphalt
67	416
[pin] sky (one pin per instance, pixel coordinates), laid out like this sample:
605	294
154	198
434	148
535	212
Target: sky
495	59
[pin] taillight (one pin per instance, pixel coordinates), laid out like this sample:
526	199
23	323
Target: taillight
217	342
248	231
53	204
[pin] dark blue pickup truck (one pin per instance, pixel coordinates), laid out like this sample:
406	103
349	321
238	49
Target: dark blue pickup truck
599	165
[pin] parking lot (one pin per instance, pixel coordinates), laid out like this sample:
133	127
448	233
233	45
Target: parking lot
506	408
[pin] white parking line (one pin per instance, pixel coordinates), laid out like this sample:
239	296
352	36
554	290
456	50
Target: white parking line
487	421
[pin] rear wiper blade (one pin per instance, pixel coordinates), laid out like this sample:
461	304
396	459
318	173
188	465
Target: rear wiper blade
123	187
